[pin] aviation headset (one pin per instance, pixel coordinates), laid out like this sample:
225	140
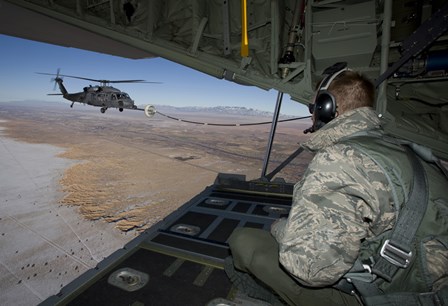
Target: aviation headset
324	105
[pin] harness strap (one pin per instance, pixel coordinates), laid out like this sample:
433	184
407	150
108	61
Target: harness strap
396	252
409	298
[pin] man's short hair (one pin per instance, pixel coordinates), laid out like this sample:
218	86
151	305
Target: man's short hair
352	90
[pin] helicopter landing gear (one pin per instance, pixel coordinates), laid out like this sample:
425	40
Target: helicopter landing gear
71	106
103	110
120	109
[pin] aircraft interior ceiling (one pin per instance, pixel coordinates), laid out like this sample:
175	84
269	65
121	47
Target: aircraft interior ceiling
272	44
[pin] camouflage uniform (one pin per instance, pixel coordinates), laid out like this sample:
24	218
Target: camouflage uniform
342	199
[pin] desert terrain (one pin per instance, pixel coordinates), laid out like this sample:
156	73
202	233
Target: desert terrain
132	171
77	184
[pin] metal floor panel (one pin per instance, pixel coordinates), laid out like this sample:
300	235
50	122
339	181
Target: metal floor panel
170	281
182	256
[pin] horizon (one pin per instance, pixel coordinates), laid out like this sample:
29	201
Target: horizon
179	108
180	86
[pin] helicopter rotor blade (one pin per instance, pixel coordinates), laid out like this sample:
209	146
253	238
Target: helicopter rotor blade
99	81
68	76
81	78
131	81
46	73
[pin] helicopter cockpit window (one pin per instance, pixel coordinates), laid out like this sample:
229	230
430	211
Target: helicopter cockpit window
123	95
114	97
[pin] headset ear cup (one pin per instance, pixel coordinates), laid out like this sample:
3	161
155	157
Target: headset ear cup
325	103
325	107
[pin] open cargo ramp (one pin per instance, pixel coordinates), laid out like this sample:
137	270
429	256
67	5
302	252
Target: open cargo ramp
179	261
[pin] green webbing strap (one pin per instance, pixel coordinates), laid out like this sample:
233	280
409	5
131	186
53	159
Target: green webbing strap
396	252
409	298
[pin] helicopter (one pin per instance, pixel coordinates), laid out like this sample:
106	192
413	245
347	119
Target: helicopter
102	95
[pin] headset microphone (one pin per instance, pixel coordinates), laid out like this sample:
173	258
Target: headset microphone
314	128
309	130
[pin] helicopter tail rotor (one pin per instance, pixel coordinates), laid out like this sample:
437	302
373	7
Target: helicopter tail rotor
58	82
55	80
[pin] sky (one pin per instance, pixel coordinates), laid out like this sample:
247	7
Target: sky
180	86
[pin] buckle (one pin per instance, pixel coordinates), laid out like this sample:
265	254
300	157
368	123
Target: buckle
395	255
367	268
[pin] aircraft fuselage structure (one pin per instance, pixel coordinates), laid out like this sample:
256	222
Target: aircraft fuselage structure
283	45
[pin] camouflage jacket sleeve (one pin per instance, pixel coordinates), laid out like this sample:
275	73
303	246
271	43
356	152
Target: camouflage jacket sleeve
332	207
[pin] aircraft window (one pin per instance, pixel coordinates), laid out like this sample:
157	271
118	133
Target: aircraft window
114	97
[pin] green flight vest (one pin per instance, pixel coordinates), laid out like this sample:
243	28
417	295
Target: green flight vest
392	268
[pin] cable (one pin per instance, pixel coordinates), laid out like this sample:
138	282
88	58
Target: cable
229	124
